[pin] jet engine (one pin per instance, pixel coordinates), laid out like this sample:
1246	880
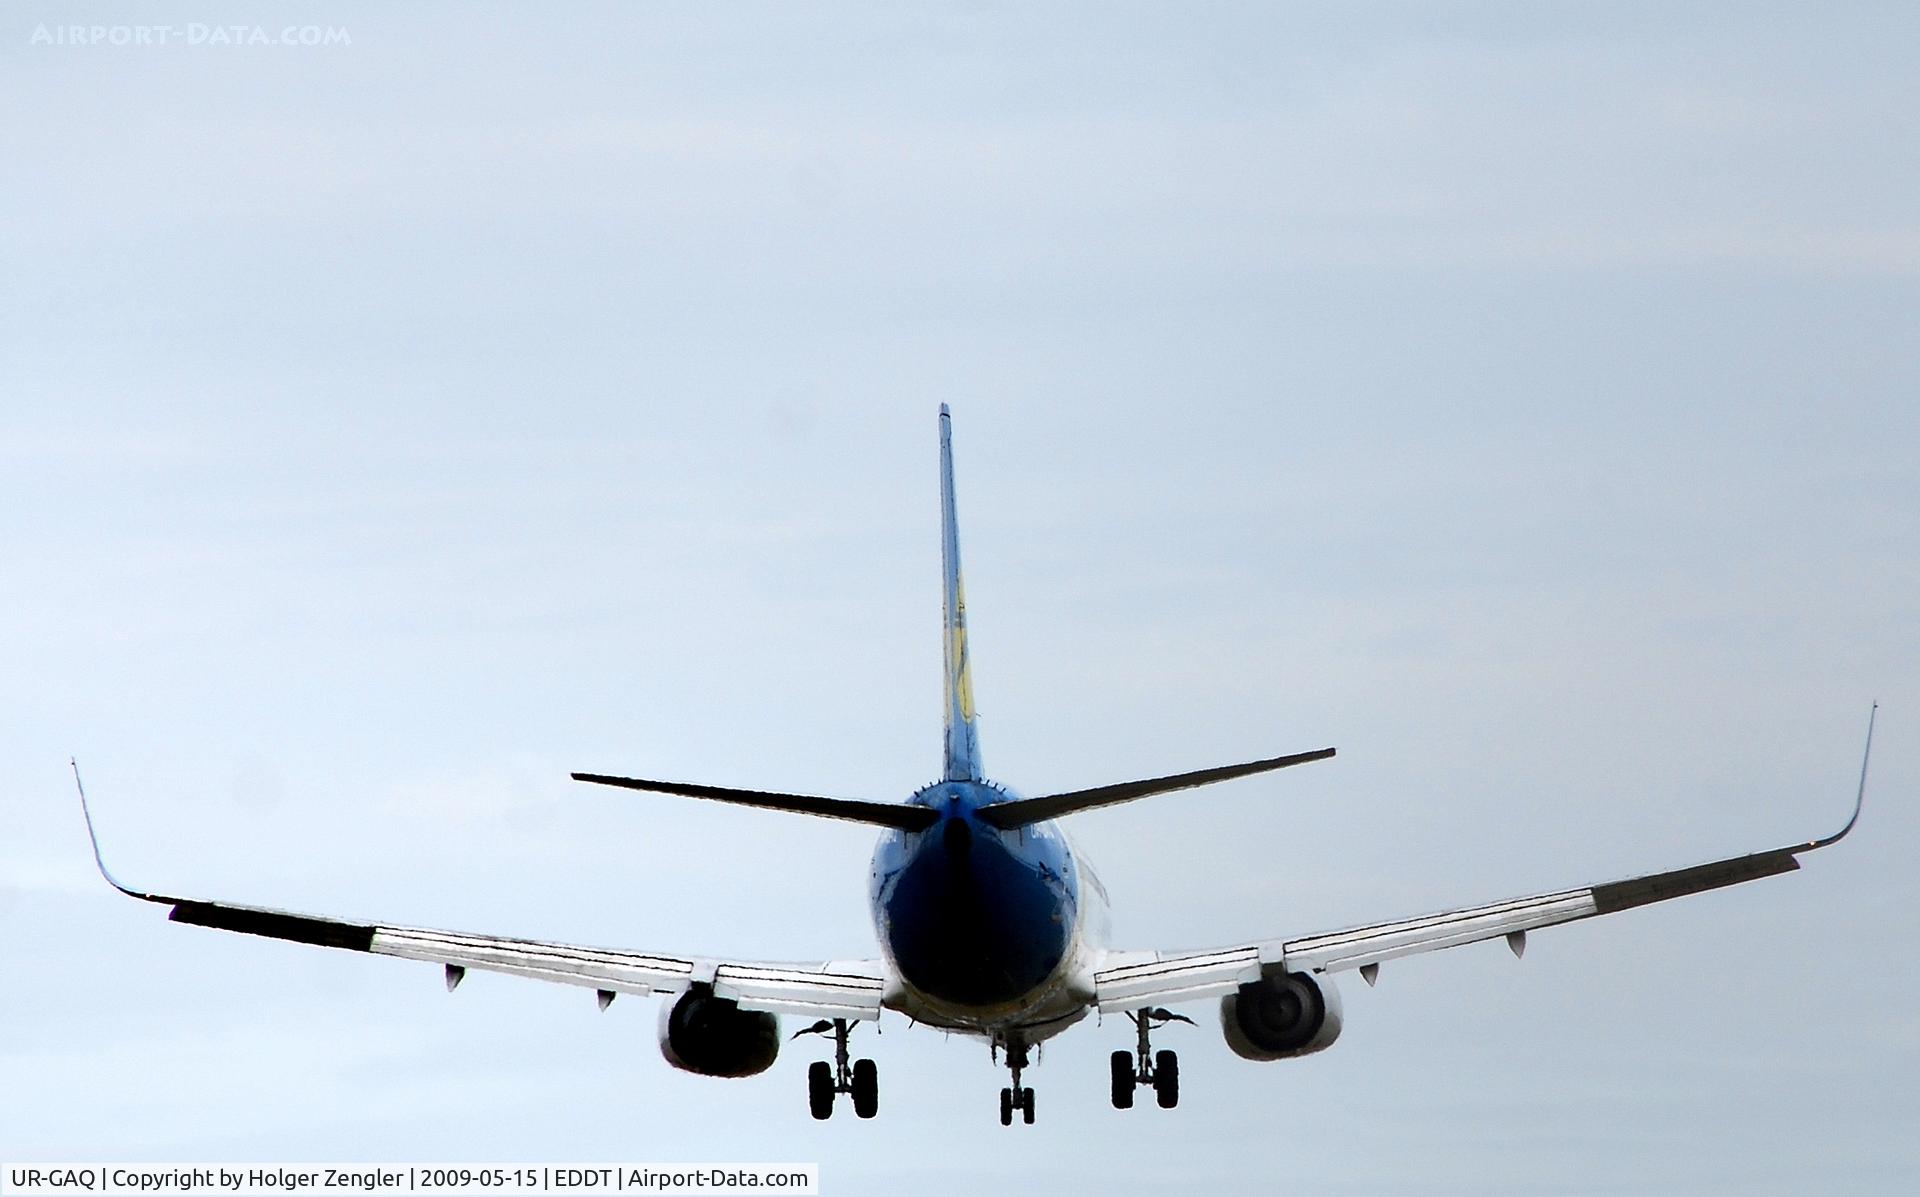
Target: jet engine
713	1036
1281	1016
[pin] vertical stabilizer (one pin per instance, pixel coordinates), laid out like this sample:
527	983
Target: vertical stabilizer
963	744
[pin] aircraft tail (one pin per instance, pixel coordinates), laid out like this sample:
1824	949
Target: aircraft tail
963	741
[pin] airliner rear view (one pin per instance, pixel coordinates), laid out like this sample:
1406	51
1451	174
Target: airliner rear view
988	924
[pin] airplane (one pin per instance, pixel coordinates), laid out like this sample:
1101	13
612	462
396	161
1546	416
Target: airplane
989	924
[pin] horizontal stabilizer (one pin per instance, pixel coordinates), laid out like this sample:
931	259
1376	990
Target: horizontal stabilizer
880	814
1019	813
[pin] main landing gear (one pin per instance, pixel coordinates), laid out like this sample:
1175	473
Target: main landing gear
1144	1066
825	1081
1014	1097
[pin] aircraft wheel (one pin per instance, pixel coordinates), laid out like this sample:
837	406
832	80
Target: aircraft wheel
1123	1082
1006	1107
820	1089
1166	1079
1026	1106
866	1088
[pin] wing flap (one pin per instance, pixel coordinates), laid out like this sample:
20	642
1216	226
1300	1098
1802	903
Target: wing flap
566	964
830	992
1174	978
852	990
1386	941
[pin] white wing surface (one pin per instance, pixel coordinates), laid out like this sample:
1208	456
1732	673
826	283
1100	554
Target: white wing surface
1130	980
836	989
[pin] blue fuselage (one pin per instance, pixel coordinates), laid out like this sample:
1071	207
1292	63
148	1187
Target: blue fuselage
976	920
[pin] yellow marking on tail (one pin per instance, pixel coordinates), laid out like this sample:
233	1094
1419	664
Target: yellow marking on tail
963	678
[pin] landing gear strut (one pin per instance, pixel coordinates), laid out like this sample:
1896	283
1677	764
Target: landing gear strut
825	1081
1144	1066
1014	1097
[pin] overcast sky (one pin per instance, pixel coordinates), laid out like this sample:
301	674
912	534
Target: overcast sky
1523	398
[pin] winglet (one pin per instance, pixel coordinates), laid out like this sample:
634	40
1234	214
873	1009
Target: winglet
93	837
1859	796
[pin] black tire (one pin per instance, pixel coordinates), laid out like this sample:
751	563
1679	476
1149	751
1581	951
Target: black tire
1123	1082
1006	1107
1026	1106
820	1089
866	1088
1166	1079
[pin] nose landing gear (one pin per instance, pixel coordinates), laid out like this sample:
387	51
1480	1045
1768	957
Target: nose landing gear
1144	1066
826	1081
1015	1097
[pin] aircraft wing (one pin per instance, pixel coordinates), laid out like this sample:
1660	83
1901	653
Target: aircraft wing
839	989
1131	980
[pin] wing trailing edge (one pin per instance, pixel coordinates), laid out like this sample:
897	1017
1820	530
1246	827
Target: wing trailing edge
851	989
1133	979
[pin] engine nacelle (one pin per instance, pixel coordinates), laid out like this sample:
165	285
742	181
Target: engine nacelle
1281	1016
713	1036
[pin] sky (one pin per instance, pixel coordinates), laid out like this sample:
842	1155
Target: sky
1523	398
